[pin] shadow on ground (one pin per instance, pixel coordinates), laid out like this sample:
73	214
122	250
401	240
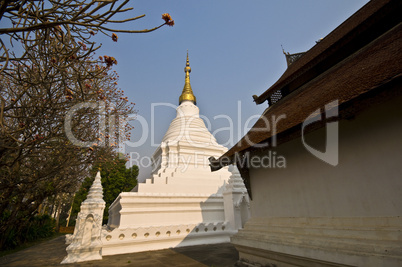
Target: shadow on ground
52	252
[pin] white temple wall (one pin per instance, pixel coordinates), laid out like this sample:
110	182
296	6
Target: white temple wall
310	212
366	182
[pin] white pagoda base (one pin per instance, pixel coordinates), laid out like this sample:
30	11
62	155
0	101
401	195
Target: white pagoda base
159	216
160	221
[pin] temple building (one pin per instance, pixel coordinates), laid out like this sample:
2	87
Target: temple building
335	115
182	203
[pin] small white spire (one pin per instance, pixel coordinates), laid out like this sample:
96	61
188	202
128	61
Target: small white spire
95	193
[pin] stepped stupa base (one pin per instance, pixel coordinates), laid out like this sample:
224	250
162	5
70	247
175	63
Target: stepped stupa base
152	221
131	240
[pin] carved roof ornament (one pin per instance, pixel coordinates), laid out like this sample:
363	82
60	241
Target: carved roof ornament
292	58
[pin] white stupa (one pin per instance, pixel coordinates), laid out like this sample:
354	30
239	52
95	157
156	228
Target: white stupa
85	244
183	202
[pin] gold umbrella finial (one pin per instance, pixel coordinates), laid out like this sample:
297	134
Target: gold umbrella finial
187	93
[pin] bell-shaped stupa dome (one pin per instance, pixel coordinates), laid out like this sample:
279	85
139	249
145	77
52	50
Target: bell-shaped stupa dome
188	126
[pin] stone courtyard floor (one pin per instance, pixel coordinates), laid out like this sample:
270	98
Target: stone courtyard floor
52	252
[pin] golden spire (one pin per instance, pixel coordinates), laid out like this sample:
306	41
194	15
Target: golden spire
187	94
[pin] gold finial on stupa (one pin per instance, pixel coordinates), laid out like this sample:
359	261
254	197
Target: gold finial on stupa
187	94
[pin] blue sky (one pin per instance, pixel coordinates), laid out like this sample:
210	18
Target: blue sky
234	49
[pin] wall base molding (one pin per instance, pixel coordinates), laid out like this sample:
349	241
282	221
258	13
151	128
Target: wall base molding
320	241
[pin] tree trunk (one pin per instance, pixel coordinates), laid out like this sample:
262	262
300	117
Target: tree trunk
58	211
70	210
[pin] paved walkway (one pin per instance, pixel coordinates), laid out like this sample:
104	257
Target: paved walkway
51	253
